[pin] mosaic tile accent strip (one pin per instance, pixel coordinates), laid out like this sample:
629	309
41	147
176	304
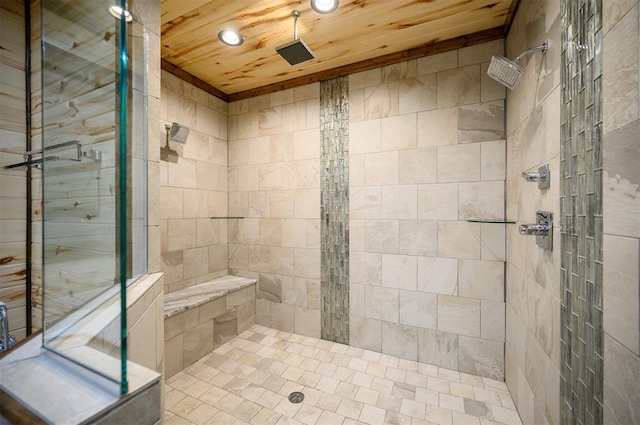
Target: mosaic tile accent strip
334	209
581	369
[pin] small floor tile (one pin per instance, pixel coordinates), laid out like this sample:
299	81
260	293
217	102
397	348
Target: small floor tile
248	380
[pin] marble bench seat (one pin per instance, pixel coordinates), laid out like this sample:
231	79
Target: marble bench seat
195	296
202	317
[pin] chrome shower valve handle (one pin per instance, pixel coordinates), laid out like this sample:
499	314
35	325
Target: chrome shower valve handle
542	229
534	177
542	177
534	229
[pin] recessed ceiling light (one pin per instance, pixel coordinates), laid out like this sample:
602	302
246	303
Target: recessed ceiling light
117	12
230	37
324	6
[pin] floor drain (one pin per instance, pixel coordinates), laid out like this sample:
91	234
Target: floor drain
296	397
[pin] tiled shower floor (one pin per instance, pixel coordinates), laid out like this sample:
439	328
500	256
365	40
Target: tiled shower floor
248	379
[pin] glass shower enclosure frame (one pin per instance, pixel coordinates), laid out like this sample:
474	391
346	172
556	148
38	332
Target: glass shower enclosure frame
92	158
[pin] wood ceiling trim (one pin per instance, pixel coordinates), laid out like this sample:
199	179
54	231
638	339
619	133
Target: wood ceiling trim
365	65
191	79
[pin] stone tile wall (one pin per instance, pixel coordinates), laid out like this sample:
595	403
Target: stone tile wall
193	186
621	205
427	153
149	11
274	183
532	354
13	183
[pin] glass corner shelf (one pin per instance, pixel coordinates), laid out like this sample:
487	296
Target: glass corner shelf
226	218
491	220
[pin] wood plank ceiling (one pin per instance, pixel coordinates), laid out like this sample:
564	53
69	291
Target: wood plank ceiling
360	34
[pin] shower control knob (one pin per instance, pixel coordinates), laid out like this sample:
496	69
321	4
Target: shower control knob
534	229
534	177
542	177
542	229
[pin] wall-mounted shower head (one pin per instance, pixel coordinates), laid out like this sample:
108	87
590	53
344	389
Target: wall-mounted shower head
177	132
507	72
296	51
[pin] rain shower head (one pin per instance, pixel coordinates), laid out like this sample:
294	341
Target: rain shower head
296	51
507	72
177	132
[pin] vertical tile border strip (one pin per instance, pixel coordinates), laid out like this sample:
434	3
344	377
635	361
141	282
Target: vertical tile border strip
334	209
581	337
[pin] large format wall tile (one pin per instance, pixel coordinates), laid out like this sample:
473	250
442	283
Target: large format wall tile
533	139
621	73
459	315
481	357
459	86
193	188
438	348
621	206
274	183
621	370
421	165
621	181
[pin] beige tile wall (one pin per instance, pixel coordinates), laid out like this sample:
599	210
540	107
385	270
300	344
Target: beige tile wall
427	152
149	10
13	182
193	186
621	203
274	182
532	274
146	329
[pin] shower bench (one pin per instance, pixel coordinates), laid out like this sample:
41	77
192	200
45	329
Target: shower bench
202	317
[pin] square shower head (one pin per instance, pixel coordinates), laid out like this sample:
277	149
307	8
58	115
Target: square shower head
504	71
295	52
177	132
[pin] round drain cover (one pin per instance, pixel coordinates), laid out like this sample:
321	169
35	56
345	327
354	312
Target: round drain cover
296	397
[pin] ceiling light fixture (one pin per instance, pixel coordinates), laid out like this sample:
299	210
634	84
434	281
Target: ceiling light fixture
118	12
324	6
230	38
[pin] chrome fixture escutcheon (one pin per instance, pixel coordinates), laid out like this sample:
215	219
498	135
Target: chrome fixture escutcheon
542	177
542	229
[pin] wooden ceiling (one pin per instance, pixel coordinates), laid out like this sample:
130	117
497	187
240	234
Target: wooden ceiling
360	34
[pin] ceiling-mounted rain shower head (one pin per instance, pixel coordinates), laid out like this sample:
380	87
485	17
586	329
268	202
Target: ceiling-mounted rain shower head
177	133
507	72
296	51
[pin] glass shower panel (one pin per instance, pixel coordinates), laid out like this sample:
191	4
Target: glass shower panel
80	166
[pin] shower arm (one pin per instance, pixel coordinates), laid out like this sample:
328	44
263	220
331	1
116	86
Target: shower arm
542	48
296	15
